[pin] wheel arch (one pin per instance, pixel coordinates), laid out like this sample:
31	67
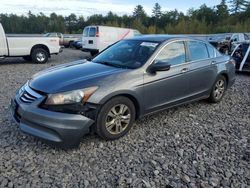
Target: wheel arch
40	46
224	73
130	96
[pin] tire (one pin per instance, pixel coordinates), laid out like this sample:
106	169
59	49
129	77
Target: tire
71	44
27	58
40	55
218	90
110	125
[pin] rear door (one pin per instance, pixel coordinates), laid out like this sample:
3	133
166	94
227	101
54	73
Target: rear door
89	39
167	87
202	65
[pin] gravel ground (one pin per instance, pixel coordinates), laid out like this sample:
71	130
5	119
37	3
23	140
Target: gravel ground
195	145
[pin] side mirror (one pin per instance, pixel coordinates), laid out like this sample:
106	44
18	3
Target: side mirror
159	66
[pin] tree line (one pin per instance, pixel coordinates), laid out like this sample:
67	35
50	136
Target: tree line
228	16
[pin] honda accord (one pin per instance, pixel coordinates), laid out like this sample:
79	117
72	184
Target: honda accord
126	81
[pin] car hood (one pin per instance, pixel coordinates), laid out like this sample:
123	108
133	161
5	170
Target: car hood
71	76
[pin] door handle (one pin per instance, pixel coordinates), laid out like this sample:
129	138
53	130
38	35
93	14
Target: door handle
184	70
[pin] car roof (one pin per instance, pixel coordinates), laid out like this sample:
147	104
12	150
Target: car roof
162	38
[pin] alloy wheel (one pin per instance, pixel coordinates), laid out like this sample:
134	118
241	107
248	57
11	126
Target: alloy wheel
219	89
118	119
40	56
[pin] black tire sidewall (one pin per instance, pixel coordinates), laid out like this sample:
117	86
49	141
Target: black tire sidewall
36	51
101	118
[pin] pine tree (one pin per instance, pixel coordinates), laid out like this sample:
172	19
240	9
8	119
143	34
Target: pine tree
157	11
222	11
139	12
238	5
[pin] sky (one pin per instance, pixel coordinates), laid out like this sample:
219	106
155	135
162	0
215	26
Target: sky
90	7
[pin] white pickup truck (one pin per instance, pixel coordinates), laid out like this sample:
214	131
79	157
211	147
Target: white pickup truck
240	37
38	49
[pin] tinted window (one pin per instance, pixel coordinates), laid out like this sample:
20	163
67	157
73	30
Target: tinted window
211	51
198	50
92	32
173	53
85	32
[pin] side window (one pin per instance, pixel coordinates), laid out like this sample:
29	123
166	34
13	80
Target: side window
246	37
211	51
235	38
198	50
173	53
86	32
218	53
92	32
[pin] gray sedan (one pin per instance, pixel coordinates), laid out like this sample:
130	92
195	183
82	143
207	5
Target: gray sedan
130	79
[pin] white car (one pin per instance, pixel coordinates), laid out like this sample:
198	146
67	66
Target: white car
38	49
97	38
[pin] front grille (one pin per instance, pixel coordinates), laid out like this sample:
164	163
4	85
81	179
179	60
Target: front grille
28	95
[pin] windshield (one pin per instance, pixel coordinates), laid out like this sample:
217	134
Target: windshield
130	54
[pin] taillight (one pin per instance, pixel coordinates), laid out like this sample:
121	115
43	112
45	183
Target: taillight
97	34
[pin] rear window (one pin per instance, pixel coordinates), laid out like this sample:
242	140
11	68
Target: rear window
211	51
198	50
137	33
92	32
85	32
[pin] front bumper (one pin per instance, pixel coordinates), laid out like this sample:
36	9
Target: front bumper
61	129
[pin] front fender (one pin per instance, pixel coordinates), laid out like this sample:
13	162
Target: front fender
134	96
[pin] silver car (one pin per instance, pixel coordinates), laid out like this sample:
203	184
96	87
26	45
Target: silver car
128	80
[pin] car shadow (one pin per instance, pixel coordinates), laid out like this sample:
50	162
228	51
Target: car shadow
243	73
14	61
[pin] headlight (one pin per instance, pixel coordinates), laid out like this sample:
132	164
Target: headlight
70	97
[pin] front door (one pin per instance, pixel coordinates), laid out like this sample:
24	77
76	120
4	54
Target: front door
167	87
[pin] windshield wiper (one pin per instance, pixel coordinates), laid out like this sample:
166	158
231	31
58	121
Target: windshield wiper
108	64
